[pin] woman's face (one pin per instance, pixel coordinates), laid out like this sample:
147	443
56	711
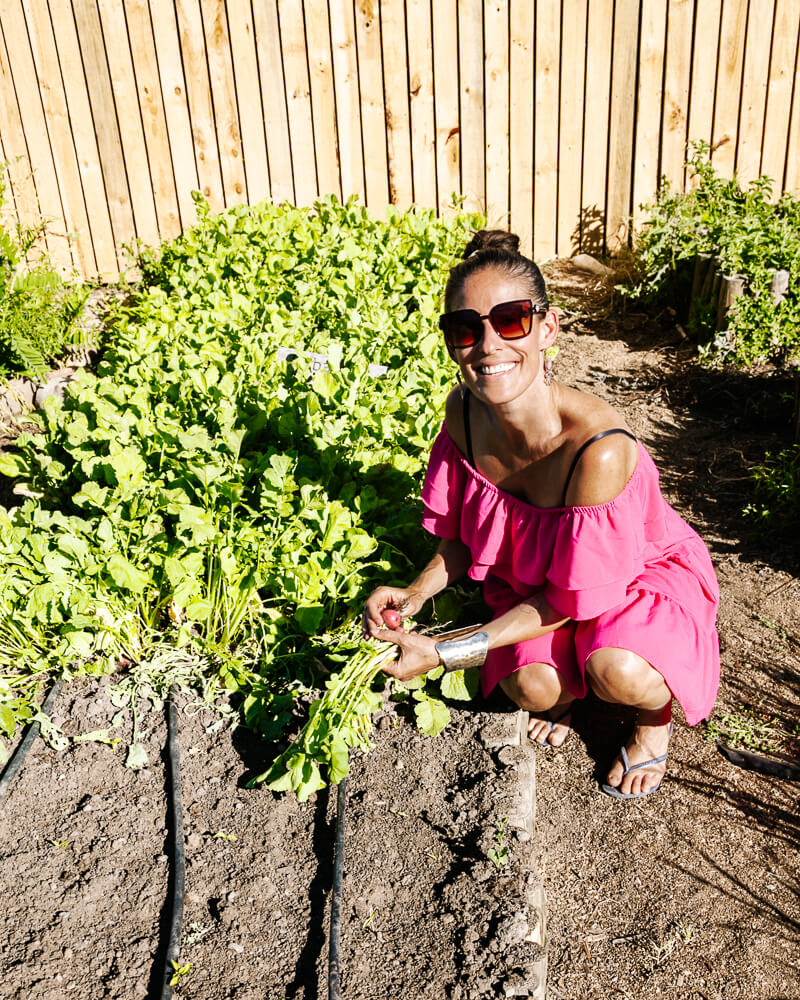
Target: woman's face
496	370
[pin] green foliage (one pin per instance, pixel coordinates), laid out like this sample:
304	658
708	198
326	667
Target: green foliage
776	491
38	311
748	234
203	490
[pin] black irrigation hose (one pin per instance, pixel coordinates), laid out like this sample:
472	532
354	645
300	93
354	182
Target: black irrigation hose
25	743
179	861
336	903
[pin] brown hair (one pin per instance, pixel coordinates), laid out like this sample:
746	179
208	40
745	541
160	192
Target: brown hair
499	249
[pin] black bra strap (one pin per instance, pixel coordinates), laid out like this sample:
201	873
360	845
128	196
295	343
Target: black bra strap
585	445
467	432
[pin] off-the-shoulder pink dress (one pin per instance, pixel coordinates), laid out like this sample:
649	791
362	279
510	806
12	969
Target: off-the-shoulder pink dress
630	573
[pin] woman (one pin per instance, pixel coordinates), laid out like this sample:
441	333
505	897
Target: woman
543	493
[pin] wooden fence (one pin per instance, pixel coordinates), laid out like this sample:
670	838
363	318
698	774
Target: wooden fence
556	117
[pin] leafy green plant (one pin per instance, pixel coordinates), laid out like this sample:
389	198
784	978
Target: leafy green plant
498	854
750	729
776	491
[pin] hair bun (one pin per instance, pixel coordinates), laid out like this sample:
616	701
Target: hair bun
492	239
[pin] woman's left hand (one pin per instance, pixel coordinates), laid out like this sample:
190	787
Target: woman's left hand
417	653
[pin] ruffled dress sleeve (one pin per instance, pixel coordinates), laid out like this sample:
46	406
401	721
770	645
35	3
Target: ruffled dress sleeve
445	481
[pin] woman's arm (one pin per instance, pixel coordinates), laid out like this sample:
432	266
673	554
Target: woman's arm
451	561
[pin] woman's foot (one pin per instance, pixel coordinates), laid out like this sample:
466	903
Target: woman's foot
646	764
551	728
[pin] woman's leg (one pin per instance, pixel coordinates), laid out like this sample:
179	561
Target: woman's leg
625	678
538	687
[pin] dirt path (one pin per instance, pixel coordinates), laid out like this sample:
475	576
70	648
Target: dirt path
691	893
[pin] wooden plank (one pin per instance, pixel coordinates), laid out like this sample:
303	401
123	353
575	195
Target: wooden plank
649	103
248	100
104	116
223	92
595	137
570	132
420	75
755	78
445	100
54	103
83	134
323	102
23	71
176	108
498	96
348	111
791	181
298	100
729	82
471	104
18	173
621	122
779	90
395	89
154	122
201	110
677	79
704	75
273	100
521	61
373	122
545	130
126	100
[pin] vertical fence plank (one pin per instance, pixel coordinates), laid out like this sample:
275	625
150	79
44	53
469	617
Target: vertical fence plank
272	102
68	49
420	78
37	140
470	67
373	122
148	83
704	75
298	100
445	92
649	103
497	107
729	82
595	138
176	108
677	74
623	103
545	129
779	90
54	102
348	118
323	103
521	63
395	89
791	181
201	110
755	78
570	129
104	117
226	113
19	171
134	150
248	100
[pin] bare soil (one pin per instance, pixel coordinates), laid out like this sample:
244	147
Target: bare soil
691	893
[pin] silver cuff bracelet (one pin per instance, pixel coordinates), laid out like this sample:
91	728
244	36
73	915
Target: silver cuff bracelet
458	654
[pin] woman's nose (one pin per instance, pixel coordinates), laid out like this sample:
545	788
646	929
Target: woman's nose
490	339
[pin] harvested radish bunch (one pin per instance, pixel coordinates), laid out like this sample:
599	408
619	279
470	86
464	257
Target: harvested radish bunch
392	619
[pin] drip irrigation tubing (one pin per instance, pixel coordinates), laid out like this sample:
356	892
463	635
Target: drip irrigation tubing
178	872
336	902
24	744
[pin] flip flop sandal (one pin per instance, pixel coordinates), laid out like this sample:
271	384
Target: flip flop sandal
552	723
616	793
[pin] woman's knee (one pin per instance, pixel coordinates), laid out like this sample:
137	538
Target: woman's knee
620	675
534	687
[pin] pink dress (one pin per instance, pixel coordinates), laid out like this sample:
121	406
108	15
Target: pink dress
629	573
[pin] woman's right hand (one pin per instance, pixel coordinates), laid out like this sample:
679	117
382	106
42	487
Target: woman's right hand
403	600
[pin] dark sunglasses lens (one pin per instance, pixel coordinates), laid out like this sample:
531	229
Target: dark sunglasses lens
511	319
461	328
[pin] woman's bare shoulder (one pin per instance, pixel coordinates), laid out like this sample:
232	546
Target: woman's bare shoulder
454	417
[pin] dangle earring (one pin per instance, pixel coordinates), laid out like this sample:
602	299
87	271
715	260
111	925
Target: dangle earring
549	355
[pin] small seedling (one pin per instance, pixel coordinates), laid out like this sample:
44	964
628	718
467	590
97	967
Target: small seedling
368	921
499	853
222	835
682	933
195	933
62	844
178	972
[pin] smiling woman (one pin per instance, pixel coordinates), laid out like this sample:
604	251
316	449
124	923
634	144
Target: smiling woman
542	493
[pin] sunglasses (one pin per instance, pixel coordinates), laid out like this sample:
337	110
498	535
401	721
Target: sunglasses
510	321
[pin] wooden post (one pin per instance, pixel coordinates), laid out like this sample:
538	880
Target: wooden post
779	286
730	290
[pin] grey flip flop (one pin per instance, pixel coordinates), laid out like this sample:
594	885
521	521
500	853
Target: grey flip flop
616	793
552	723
